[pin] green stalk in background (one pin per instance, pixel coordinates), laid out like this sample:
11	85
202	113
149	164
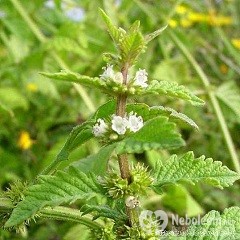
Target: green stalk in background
40	36
212	97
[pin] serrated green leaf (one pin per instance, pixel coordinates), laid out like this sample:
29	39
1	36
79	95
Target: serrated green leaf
52	191
190	169
96	163
131	46
215	226
154	34
157	133
76	78
115	33
110	87
172	89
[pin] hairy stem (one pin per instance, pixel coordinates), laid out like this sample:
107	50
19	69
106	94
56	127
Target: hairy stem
40	36
120	111
123	158
68	214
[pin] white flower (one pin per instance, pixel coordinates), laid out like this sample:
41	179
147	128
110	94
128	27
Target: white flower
134	122
108	72
141	78
100	128
73	12
76	14
119	124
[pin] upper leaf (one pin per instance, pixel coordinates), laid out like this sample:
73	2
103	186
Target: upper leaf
172	89
110	87
129	44
115	33
187	168
157	133
166	88
54	190
76	78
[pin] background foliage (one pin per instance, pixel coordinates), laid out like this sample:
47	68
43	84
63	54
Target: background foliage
37	114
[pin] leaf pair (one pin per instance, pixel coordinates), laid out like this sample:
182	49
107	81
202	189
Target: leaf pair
169	89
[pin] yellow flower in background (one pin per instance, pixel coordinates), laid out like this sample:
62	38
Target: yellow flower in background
211	18
223	68
186	23
24	140
236	42
180	9
173	23
219	20
197	17
32	87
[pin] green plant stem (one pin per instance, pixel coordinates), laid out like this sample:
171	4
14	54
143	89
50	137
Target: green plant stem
123	158
213	99
40	36
56	213
120	111
69	214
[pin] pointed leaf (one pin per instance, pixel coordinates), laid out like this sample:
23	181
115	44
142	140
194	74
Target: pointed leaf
172	89
131	46
115	33
154	34
54	190
76	78
193	170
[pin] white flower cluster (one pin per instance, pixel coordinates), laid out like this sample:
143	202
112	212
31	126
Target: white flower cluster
140	78
119	124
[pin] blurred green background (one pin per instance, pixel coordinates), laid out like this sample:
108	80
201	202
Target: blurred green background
199	49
